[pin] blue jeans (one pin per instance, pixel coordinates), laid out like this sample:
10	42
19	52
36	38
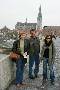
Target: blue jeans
45	62
19	71
32	59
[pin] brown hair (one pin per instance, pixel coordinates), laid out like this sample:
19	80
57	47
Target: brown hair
49	41
48	36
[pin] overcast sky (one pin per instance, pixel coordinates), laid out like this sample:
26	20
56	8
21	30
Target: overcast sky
13	11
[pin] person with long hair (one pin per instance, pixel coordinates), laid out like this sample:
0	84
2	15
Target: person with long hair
48	57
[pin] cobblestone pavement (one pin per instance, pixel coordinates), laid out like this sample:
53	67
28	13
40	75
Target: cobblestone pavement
36	84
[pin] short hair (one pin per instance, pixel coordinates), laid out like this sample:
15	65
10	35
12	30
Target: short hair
32	30
21	33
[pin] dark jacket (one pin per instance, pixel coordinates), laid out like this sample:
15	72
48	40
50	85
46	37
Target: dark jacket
52	53
16	46
34	46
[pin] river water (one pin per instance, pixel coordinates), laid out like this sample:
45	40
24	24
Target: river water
2	55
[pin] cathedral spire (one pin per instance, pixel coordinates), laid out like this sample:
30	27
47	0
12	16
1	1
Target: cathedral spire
26	20
39	14
39	19
40	9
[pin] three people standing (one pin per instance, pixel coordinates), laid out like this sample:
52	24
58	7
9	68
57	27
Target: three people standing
31	46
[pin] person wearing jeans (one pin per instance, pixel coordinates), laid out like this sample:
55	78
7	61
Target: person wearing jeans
20	48
19	71
32	59
48	56
45	76
33	51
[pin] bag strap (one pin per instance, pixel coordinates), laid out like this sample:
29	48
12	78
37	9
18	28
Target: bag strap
19	44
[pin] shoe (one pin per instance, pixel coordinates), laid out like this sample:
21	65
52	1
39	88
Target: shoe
20	85
44	81
52	82
31	77
36	75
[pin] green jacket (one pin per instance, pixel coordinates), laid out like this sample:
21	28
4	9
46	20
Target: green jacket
33	46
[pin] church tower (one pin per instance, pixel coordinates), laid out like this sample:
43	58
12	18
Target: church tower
39	19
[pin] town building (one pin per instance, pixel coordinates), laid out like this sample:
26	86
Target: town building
29	26
54	30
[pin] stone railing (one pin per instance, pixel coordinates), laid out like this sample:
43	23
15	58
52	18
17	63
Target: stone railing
7	72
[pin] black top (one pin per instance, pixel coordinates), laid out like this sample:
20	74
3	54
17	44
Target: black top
46	53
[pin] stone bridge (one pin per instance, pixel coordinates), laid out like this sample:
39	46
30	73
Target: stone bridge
8	70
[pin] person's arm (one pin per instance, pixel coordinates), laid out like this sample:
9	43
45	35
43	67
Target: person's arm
42	53
14	46
39	45
54	52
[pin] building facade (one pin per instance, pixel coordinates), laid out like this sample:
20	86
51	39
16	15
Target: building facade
29	26
54	30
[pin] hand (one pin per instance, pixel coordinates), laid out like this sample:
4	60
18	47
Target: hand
25	55
18	56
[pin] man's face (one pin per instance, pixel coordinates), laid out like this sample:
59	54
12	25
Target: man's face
32	33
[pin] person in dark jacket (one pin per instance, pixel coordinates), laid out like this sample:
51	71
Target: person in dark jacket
48	56
19	47
33	51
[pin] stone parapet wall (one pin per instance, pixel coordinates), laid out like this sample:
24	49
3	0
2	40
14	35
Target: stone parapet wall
7	72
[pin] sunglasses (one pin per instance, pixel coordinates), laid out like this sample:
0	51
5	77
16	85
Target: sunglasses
48	38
